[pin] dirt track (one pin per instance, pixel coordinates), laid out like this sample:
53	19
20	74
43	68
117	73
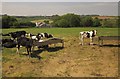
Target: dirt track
73	60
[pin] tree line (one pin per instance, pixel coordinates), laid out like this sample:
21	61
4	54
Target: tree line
72	20
67	20
11	21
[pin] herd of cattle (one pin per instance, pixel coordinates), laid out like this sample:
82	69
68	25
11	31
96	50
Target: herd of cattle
22	38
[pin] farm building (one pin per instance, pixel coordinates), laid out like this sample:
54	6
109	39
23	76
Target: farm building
42	25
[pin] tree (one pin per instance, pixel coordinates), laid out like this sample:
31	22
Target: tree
73	19
96	22
7	21
63	23
87	21
67	20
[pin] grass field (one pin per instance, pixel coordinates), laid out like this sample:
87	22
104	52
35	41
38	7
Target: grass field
66	31
73	60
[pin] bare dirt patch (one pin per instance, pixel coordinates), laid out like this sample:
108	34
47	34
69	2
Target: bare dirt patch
73	60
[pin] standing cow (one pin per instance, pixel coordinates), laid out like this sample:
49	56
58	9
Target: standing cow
87	34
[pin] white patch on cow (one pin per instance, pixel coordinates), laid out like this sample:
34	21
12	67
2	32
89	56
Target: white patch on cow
43	34
26	34
33	37
12	38
40	40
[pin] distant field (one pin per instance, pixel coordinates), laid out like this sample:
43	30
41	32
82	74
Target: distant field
73	60
66	31
50	21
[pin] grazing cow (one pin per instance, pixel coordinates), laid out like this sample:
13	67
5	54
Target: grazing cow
88	34
45	35
34	37
17	34
26	42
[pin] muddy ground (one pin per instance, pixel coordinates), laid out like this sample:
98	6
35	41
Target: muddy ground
73	60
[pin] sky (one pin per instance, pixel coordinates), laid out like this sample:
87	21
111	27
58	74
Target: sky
35	7
60	0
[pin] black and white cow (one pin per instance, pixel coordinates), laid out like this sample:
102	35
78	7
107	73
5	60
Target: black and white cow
87	34
17	34
26	42
34	37
45	35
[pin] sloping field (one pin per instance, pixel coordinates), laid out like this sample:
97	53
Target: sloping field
73	60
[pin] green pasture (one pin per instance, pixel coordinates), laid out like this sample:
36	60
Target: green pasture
66	31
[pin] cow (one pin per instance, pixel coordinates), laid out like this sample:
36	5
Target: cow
8	43
87	34
17	34
45	35
5	34
6	40
34	37
26	42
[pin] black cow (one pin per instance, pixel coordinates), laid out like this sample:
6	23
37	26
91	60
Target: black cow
17	34
5	34
6	40
8	43
26	42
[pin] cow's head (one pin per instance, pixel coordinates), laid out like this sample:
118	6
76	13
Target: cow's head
94	33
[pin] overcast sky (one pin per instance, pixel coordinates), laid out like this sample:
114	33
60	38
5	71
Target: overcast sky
59	0
51	8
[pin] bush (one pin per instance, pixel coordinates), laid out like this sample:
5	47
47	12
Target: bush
87	21
68	20
110	23
63	23
96	22
7	21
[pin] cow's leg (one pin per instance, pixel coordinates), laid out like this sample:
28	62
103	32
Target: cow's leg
62	44
28	51
81	39
91	41
18	49
32	48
